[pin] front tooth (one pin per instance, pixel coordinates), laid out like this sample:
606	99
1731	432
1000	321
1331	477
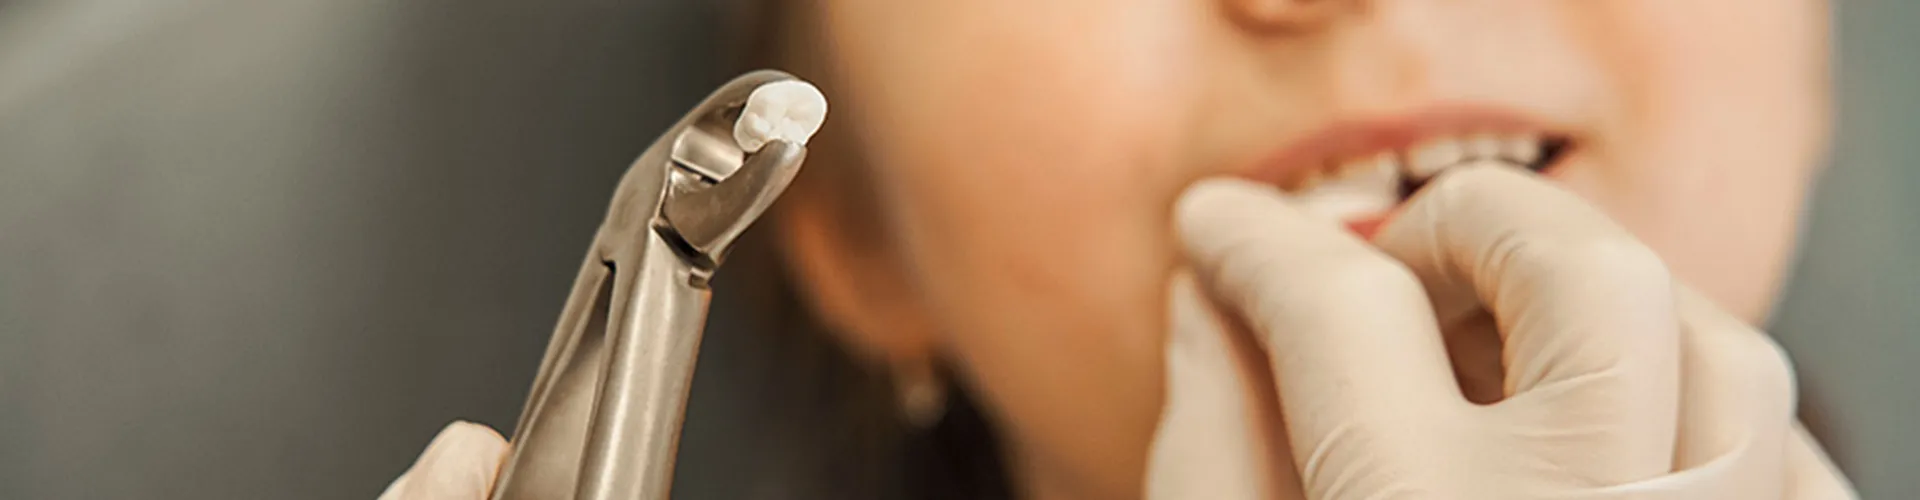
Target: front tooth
1521	148
1483	146
1363	173
1360	188
1383	166
1429	158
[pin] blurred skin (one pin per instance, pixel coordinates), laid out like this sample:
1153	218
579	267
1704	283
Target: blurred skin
995	184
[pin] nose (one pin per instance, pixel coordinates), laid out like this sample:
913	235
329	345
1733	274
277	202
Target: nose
1289	15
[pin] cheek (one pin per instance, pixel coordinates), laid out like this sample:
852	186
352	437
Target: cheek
1724	116
1027	172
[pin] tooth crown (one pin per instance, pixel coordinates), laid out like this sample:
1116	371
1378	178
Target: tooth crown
790	110
1374	183
1425	159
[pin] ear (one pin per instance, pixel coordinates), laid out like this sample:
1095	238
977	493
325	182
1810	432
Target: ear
847	269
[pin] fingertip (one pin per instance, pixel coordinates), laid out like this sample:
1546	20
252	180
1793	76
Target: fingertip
1441	196
1214	216
1496	191
461	461
1489	173
476	441
467	430
395	489
464	438
1208	198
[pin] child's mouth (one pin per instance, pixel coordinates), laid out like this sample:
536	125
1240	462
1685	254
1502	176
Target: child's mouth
1363	173
1362	194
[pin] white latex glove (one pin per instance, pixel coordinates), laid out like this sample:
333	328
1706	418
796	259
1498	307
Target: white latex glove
1610	380
459	464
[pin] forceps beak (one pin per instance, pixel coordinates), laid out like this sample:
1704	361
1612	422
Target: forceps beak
603	419
708	217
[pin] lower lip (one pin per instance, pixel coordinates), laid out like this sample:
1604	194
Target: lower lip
1368	226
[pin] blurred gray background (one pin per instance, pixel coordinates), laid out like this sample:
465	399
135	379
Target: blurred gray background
266	249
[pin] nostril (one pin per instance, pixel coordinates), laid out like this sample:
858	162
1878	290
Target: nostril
1288	15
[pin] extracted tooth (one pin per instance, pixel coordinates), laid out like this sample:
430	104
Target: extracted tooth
1429	158
1483	146
789	110
1522	148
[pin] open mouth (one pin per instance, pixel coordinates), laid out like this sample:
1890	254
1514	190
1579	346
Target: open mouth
1362	189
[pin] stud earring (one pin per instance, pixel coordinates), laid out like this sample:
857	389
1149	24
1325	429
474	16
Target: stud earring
921	393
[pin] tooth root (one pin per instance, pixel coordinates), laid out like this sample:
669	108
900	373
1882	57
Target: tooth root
1484	146
1524	149
1428	159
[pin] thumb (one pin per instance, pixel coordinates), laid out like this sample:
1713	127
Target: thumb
459	464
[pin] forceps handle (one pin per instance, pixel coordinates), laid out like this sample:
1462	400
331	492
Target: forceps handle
605	413
654	332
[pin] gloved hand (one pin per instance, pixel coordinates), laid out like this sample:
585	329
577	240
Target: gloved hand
459	464
1584	371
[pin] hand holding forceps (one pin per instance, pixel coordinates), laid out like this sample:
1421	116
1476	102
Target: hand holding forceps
602	421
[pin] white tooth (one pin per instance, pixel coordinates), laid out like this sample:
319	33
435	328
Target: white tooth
1359	188
1430	157
1343	206
1366	173
1483	146
788	110
1389	161
1521	148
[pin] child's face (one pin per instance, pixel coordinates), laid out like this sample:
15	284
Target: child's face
1024	156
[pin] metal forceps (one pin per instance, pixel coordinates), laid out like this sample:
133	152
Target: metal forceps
602	421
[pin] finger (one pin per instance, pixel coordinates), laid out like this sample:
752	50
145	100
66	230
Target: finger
1810	474
1220	435
1736	402
1584	311
393	490
459	464
1348	331
1737	391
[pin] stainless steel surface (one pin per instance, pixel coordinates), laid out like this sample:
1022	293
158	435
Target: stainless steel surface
708	218
602	421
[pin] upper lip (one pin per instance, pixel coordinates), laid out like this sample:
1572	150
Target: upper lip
1353	138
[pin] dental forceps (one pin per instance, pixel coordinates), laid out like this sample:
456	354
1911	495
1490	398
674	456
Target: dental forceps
602	421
